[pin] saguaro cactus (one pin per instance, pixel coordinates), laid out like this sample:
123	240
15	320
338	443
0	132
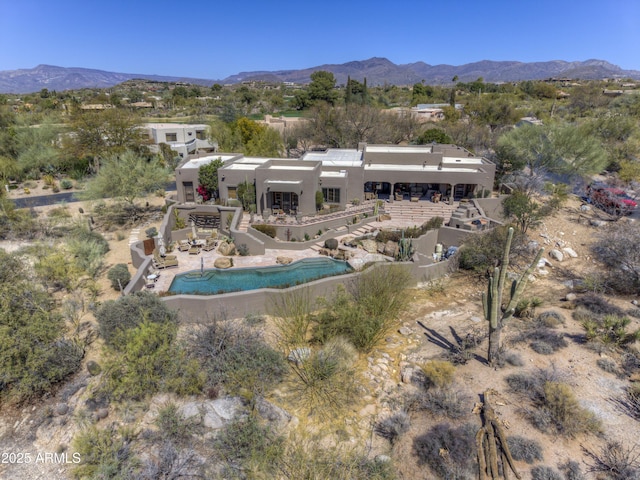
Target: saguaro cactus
494	312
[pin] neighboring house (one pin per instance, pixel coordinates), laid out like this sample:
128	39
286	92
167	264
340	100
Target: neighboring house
529	121
431	112
184	139
346	176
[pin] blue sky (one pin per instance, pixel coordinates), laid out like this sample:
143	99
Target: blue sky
214	39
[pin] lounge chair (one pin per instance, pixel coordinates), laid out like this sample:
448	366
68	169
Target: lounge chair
210	244
184	246
164	262
194	250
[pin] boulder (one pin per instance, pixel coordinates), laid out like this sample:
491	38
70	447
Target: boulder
93	368
405	331
391	249
275	415
556	255
227	249
369	246
331	243
570	252
223	262
284	260
62	409
570	297
597	223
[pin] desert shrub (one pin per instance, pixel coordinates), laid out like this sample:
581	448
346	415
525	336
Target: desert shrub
558	411
151	232
149	360
393	426
483	252
291	312
545	473
444	402
571	470
269	230
119	276
313	462
550	319
243	250
630	362
513	358
248	445
172	425
168	462
543	340
325	379
459	462
629	403
83	234
385	236
610	330
35	353
614	461
331	243
438	373
522	383
524	449
607	365
596	304
103	454
66	184
235	356
56	271
116	316
88	255
526	307
617	249
366	311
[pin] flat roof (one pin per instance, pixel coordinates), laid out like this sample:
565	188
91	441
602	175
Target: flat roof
474	160
417	168
198	162
398	149
290	167
241	166
175	125
339	157
342	173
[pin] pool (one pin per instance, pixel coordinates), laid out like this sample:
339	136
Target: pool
280	276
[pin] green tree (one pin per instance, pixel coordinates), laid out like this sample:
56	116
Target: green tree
433	135
126	177
523	209
208	176
322	87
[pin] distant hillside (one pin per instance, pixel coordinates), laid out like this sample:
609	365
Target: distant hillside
62	78
378	71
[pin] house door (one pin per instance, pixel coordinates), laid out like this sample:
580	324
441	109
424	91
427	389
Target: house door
188	191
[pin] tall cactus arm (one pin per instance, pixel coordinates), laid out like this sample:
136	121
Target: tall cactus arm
521	283
504	266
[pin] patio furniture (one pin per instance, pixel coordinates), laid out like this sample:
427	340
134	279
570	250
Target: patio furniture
183	246
194	250
164	262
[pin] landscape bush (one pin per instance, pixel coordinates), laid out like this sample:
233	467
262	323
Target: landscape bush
513	358
331	243
66	184
246	444
614	461
458	442
292	317
555	408
367	309
598	305
325	380
550	319
611	330
543	340
444	402
104	453
608	365
617	249
438	373
36	353
243	250
481	253
269	230
393	426
545	473
119	276
172	425
524	449
148	360
117	316
236	357
571	470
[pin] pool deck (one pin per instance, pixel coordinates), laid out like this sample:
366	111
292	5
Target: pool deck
187	262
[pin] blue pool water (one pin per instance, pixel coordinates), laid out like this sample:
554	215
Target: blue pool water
280	276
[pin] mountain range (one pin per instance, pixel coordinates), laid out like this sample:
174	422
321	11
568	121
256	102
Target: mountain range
377	71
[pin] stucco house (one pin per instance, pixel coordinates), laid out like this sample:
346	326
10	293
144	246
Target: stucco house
346	176
184	139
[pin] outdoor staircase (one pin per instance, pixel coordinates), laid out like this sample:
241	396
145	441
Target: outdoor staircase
417	213
244	223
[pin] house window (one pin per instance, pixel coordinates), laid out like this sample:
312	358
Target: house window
201	135
331	195
171	137
232	193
